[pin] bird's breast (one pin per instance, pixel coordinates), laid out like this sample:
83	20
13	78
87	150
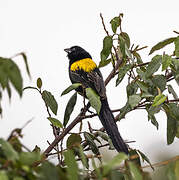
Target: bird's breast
87	65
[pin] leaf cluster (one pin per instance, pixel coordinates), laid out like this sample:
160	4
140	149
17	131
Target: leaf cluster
10	75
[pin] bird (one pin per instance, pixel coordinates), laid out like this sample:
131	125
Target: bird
82	69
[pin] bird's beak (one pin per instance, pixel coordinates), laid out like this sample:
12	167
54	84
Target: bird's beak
68	50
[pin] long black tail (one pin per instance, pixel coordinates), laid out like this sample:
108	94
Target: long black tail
108	121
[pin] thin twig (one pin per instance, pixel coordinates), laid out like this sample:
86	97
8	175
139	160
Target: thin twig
29	121
140	65
176	32
162	163
173	100
26	148
138	49
102	19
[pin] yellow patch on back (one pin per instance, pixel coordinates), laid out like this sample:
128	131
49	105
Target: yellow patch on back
86	65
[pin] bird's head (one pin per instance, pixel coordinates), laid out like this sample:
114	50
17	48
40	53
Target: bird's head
76	53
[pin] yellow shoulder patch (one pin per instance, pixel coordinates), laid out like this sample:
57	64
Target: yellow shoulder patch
86	65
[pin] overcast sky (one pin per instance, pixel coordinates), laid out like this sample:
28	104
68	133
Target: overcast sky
43	28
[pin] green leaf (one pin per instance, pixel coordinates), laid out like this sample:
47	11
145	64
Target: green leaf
69	108
116	175
171	171
71	163
122	72
153	66
55	122
114	162
83	157
124	110
174	110
126	38
141	73
94	99
103	135
73	140
8	150
166	61
145	158
91	143
128	52
142	85
14	75
162	44
70	88
8	91
137	55
177	133
122	46
171	125
50	101
3	73
151	111
146	95
18	178
172	91
28	158
39	83
26	63
104	63
134	100
153	120
97	170
135	172
175	69
48	171
9	71
131	88
159	99
177	169
115	23
160	82
93	137
111	146
107	46
177	46
3	175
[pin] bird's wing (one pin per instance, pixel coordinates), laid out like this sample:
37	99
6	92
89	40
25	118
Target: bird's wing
91	79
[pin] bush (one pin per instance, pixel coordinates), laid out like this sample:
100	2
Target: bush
148	88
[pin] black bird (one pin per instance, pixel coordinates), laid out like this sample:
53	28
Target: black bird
82	69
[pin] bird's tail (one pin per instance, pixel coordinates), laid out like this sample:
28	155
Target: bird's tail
108	121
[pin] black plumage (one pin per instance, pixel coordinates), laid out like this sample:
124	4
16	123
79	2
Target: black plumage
93	78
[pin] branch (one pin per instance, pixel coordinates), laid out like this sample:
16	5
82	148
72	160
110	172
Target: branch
162	163
173	100
65	132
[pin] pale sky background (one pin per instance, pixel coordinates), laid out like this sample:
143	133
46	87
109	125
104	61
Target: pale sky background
43	28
